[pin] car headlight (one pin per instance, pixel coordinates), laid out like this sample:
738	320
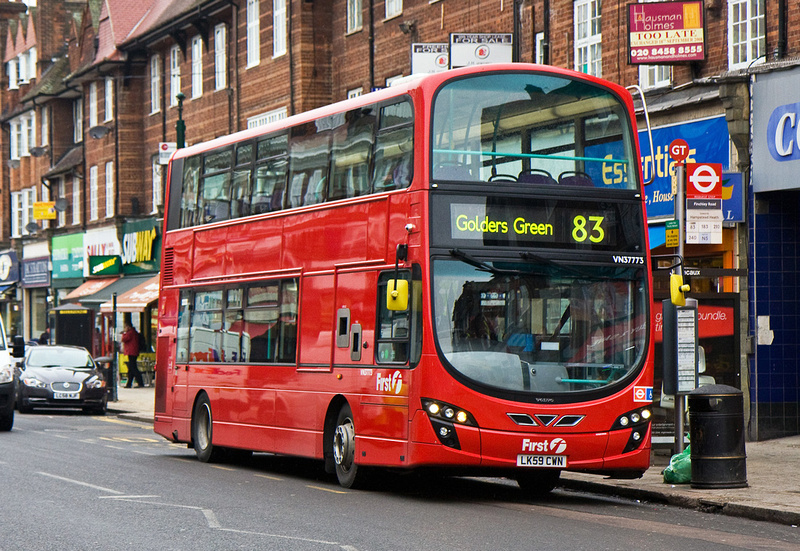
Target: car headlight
95	382
6	374
33	382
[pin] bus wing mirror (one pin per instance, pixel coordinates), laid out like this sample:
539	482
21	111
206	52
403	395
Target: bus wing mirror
397	295
678	290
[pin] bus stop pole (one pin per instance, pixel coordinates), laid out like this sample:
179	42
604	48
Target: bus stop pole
115	351
680	216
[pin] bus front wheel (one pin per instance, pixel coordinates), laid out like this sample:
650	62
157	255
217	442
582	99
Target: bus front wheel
538	483
344	450
202	432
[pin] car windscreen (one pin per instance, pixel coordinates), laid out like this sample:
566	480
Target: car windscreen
59	357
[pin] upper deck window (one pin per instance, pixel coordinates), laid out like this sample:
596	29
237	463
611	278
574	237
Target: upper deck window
534	129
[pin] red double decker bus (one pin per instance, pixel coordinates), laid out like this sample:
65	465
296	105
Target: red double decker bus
449	273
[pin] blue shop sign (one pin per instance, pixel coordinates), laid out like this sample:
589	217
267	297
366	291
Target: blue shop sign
708	141
36	272
9	268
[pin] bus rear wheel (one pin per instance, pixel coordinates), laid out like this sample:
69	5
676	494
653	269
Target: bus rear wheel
202	432
348	473
538	483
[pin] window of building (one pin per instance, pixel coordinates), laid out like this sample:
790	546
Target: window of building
110	195
45	139
94	206
13	74
197	67
157	183
109	99
268	117
539	40
746	32
278	27
253	34
393	8
29	138
92	104
77	120
588	49
155	84
22	69
16	138
76	201
354	16
16	214
220	57
355	92
655	76
174	75
31	59
62	193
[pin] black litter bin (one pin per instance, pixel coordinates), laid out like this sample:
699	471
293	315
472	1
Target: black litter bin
716	429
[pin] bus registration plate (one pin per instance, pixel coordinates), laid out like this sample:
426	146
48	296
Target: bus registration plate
547	461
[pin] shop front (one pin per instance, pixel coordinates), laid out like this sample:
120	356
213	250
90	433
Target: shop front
774	211
9	285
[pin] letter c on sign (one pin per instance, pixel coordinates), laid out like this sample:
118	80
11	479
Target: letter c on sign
783	133
782	150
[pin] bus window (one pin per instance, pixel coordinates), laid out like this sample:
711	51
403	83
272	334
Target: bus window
393	331
206	330
268	187
184	322
394	149
270	322
351	152
215	198
308	166
240	193
236	342
214	195
191	181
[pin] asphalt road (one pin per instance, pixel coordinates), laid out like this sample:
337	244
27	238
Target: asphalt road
78	482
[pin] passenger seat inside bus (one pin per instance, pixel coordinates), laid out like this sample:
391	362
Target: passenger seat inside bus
575	178
536	176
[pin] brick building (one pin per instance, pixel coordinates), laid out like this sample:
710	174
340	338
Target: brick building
87	116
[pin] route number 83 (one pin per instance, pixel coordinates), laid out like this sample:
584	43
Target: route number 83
590	228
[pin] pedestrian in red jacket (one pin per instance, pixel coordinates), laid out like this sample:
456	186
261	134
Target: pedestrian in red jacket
130	347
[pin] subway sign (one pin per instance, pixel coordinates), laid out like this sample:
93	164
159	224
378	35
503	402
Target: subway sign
555	223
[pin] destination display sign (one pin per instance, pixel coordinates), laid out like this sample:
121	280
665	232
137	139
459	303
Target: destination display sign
556	223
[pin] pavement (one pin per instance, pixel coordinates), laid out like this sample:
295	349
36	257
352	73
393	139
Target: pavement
773	475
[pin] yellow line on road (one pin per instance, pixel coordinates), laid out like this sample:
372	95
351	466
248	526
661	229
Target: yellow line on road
268	477
326	489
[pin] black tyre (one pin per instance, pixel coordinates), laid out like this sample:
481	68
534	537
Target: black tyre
538	483
202	432
7	422
349	474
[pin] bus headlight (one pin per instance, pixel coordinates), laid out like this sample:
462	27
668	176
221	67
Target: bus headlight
444	418
638	422
6	374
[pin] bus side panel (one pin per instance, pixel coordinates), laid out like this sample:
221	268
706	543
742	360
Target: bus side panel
318	239
254	247
181	243
316	322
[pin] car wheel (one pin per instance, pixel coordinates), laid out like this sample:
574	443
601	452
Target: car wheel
7	422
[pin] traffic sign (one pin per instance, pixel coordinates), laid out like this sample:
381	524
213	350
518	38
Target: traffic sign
704	180
678	150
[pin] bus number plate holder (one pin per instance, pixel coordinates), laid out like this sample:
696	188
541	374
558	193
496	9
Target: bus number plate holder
542	461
